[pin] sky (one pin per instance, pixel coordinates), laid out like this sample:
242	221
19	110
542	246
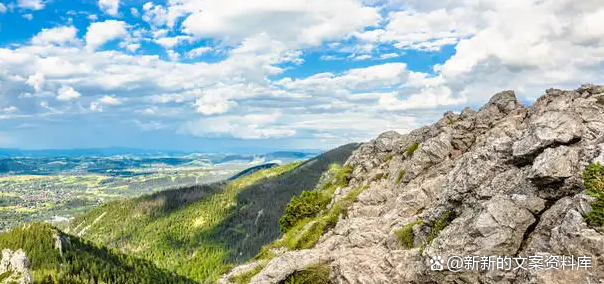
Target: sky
219	75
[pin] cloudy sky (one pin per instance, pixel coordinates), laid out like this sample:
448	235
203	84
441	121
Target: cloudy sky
239	74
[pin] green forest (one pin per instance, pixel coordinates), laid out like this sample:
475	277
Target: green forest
80	261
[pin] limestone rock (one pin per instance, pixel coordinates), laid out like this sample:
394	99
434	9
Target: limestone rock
17	265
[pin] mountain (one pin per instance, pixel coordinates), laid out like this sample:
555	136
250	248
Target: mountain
88	152
56	257
252	170
199	232
505	194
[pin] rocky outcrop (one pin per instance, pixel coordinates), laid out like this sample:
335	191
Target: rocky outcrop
505	180
14	268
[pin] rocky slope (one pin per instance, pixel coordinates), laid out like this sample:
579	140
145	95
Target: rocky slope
15	267
505	180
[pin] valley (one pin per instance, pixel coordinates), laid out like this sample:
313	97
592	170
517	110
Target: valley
54	189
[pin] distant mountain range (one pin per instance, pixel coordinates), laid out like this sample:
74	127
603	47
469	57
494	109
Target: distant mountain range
117	151
122	161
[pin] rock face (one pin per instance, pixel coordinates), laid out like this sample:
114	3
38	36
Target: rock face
505	180
14	267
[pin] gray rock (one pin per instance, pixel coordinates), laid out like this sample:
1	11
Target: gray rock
18	265
545	130
554	165
505	101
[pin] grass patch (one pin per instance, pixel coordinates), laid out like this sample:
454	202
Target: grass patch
450	122
405	235
388	158
247	276
307	232
600	100
327	221
312	202
594	185
316	274
307	205
437	226
380	176
400	176
411	149
5	275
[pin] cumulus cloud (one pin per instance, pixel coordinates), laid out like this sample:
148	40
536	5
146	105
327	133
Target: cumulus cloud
427	98
134	12
31	4
109	7
3	8
59	35
251	126
101	32
110	100
99	104
196	52
36	81
67	93
156	15
527	46
171	42
292	22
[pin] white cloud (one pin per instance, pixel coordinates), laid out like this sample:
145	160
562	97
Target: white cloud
427	98
196	52
110	7
31	4
134	12
59	35
67	93
110	100
3	8
171	42
133	47
209	105
92	17
383	75
99	104
156	15
96	106
362	57
36	81
101	32
251	126
389	55
28	17
291	22
10	109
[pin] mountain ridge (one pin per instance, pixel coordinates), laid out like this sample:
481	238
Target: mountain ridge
503	180
201	231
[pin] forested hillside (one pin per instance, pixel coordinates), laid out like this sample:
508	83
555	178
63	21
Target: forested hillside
60	258
199	232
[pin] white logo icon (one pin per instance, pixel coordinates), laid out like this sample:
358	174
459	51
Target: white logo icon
437	263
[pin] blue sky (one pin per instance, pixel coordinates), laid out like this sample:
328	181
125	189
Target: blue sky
224	75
